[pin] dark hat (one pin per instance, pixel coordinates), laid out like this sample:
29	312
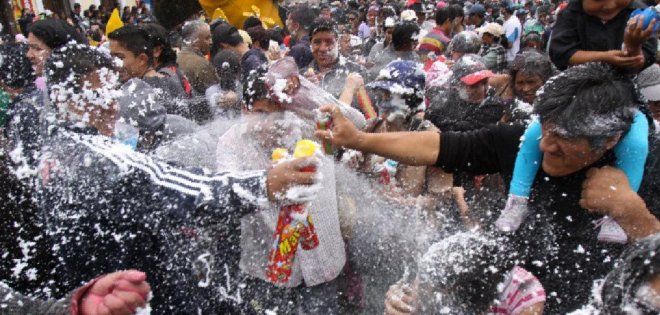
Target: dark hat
477	9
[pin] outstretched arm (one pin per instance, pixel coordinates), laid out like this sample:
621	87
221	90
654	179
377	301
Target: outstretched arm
412	148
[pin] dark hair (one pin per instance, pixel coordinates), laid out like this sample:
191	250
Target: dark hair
323	25
638	264
469	289
304	15
276	34
532	37
135	39
55	33
593	100
67	64
225	34
158	37
228	66
15	69
443	14
259	35
544	9
251	21
254	86
455	10
403	34
171	13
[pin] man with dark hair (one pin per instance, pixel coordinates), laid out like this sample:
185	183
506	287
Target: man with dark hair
513	30
476	16
226	36
404	41
437	39
260	38
192	61
584	111
328	69
298	24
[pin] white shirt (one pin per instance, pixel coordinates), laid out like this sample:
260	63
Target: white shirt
513	31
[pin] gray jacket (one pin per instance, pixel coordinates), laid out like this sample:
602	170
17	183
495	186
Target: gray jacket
14	303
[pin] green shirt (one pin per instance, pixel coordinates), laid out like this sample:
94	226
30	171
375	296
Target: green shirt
5	99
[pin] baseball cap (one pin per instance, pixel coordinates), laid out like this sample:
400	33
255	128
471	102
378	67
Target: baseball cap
470	69
649	82
491	28
477	9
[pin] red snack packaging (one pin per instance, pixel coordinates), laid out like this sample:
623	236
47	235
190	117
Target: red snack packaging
294	226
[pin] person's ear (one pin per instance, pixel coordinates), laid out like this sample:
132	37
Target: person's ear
157	51
143	59
612	141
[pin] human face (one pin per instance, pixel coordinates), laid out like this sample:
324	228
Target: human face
291	25
487	39
563	156
526	85
371	17
352	19
266	106
654	106
473	19
93	105
132	66
388	35
605	10
391	107
475	93
345	44
37	53
326	13
421	17
203	42
324	49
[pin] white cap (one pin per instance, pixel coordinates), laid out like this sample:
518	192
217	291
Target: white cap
408	15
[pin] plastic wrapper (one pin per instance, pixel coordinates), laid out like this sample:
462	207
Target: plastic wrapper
307	97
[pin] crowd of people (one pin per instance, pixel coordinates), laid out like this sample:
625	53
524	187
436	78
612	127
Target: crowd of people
471	157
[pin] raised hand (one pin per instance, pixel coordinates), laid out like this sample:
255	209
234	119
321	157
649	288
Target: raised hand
119	293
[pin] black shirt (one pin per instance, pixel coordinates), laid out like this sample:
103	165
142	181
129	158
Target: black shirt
576	30
557	242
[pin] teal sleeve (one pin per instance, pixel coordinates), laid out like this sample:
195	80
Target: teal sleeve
527	161
632	150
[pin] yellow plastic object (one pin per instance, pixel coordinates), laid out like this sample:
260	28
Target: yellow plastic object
234	10
219	14
279	154
305	148
114	22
